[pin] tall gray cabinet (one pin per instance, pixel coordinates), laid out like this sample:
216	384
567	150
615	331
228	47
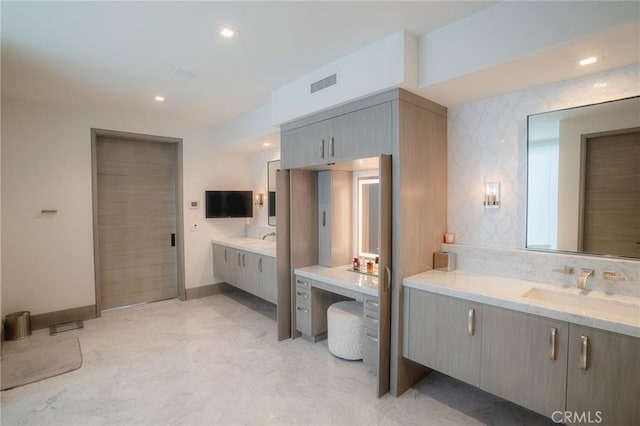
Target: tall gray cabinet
408	135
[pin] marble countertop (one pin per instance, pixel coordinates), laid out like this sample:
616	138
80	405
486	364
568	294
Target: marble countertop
253	245
592	308
341	276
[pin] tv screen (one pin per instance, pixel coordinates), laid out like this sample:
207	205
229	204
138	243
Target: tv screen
228	204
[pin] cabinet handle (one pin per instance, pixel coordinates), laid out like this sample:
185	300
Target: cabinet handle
553	342
302	309
387	285
225	255
260	265
372	303
239	264
322	149
244	263
331	151
375	339
305	295
324	218
303	283
584	352
471	322
369	317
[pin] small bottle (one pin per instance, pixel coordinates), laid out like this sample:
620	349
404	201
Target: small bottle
375	265
356	264
369	267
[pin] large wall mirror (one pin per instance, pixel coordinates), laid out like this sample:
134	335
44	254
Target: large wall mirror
584	179
272	168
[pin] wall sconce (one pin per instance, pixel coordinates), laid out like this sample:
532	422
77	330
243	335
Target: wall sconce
492	195
259	200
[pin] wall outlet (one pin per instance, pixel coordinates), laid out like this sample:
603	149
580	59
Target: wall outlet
193	227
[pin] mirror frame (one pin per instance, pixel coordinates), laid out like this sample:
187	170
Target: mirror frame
361	181
272	168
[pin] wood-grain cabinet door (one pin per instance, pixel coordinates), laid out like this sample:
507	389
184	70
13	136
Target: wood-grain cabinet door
305	146
524	359
603	380
361	134
444	333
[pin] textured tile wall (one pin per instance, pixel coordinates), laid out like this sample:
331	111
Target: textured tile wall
488	141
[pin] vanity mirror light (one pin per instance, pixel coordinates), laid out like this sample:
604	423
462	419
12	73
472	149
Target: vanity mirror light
368	223
583	179
272	168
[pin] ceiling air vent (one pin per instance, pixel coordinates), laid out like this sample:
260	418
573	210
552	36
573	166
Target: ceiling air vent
324	83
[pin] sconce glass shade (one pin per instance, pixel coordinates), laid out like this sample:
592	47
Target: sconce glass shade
492	195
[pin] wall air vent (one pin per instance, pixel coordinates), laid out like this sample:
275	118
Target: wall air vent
324	83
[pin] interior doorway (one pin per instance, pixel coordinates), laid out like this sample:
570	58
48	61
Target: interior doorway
137	218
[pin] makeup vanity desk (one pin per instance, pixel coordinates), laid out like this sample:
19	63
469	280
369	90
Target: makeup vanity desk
318	287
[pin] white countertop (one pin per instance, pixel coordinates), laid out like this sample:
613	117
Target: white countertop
612	312
253	245
341	276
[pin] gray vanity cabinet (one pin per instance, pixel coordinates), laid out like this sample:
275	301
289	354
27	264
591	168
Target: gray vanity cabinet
221	262
266	271
334	218
524	359
603	376
358	134
444	333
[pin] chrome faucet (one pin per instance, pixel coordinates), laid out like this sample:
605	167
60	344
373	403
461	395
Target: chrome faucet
273	234
584	275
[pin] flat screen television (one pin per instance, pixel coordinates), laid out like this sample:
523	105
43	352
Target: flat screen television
228	204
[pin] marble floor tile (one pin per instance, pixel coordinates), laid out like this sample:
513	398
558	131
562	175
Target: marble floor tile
216	361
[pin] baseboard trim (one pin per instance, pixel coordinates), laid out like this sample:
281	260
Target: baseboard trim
204	291
67	315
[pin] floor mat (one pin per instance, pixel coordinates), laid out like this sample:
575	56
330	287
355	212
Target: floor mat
34	363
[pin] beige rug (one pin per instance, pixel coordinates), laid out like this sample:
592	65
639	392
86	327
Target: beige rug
34	363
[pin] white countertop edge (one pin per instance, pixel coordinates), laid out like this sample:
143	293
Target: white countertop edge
530	308
240	244
334	281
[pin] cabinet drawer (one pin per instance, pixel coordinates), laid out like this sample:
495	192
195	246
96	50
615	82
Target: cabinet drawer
370	349
303	282
303	296
370	320
371	303
303	319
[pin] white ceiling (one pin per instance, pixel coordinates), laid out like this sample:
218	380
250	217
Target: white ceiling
124	54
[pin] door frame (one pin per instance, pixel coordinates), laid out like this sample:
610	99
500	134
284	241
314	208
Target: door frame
95	134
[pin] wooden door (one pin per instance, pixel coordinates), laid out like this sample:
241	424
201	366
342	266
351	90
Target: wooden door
524	359
609	381
284	276
611	222
136	221
384	270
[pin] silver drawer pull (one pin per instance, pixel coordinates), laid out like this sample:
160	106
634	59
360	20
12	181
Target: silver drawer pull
225	255
584	352
303	283
322	149
471	322
371	318
305	295
372	303
302	309
374	338
331	151
553	343
239	264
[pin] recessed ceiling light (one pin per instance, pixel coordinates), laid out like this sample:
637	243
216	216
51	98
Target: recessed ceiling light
588	61
228	32
266	144
160	98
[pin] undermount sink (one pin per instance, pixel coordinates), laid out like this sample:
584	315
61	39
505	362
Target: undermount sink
584	303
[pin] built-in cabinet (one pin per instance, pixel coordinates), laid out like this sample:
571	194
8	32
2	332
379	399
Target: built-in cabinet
358	134
334	217
540	363
248	271
407	135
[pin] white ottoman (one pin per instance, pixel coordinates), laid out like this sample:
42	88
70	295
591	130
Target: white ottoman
344	321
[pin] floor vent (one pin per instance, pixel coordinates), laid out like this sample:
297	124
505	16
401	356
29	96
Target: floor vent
65	326
324	83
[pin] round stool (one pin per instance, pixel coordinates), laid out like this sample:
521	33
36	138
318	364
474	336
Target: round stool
344	320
